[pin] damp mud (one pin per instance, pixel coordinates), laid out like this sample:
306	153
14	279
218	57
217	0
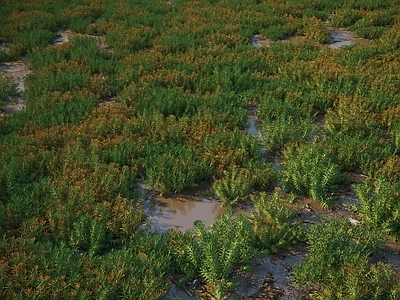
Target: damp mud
268	278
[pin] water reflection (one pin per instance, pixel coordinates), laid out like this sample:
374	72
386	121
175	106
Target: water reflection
341	37
180	210
16	70
258	41
252	129
63	37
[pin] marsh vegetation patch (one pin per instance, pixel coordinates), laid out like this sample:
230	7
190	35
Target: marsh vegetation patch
298	142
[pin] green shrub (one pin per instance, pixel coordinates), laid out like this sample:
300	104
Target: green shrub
321	15
237	183
356	152
11	125
214	253
273	221
395	136
369	4
328	5
71	111
315	30
391	38
7	88
31	39
344	18
363	28
309	170
135	271
171	168
337	265
284	130
275	33
380	205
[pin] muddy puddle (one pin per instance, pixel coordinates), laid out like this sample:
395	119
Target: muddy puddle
63	37
340	37
259	41
270	278
180	210
253	130
16	70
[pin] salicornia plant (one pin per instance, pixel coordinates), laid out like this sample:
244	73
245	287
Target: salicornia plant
213	253
7	89
310	171
380	205
338	267
273	220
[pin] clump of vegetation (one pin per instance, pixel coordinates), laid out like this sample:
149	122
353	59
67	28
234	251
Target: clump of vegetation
315	30
159	93
284	130
345	17
380	205
310	171
212	254
274	223
275	33
7	89
338	267
238	183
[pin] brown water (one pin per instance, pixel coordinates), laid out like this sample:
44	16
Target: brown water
180	210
